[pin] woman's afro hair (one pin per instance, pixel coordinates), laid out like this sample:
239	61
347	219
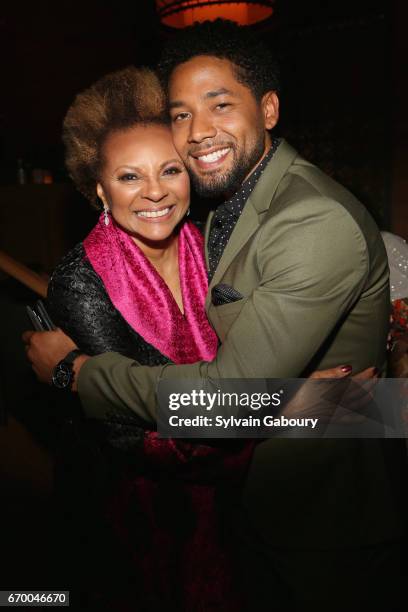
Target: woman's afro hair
117	101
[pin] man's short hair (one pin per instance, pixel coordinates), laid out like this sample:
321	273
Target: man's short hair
254	62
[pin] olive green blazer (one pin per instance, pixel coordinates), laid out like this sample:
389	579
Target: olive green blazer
310	264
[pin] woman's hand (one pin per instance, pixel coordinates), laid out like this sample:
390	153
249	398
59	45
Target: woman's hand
344	372
45	349
344	401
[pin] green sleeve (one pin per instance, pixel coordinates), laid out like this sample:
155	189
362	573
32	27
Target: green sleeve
313	265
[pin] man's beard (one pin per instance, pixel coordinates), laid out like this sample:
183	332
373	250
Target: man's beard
213	186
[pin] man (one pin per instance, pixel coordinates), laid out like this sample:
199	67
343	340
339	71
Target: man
307	272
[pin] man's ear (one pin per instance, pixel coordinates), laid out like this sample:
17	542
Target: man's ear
270	109
101	194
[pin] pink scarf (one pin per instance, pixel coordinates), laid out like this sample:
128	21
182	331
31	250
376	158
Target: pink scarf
144	300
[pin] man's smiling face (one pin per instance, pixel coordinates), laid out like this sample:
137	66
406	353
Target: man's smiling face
219	128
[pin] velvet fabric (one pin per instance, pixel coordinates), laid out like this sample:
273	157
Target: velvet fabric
142	297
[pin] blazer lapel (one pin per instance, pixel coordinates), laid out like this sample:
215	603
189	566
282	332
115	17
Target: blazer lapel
257	204
268	183
206	234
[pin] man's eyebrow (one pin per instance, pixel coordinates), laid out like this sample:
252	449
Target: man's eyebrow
209	94
217	92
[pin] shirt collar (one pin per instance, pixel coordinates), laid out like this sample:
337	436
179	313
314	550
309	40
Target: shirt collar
236	202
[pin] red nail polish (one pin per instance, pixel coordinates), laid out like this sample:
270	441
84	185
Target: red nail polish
346	368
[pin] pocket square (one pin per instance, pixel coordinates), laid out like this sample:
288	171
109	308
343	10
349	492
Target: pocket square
224	294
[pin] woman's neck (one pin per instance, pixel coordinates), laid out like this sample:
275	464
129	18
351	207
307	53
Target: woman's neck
159	253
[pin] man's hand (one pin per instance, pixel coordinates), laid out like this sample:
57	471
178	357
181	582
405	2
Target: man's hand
45	349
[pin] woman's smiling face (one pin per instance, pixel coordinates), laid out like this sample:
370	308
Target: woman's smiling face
144	182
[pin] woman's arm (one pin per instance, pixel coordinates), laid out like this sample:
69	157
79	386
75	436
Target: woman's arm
79	305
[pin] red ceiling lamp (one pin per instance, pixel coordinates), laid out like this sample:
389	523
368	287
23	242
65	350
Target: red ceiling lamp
183	13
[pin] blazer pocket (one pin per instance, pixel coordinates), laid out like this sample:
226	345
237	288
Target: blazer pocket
223	317
224	294
227	313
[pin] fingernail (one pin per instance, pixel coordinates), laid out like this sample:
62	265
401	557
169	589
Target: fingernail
346	368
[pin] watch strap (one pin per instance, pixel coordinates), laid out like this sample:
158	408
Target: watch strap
63	375
72	355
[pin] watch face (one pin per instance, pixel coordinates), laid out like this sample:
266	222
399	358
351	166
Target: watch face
62	376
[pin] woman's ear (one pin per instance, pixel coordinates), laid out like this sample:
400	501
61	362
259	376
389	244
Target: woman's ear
270	108
101	195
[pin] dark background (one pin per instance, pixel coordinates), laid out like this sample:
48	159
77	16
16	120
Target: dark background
343	69
344	106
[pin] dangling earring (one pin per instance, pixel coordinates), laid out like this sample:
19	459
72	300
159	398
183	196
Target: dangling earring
106	214
187	213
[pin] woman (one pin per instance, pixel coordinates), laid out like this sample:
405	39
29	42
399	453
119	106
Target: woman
137	285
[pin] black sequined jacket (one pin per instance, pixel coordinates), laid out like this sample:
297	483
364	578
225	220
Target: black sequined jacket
79	304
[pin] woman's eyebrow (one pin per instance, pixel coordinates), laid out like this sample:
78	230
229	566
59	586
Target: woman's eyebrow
174	160
171	161
176	104
126	167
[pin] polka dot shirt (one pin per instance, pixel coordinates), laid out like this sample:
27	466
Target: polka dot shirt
228	213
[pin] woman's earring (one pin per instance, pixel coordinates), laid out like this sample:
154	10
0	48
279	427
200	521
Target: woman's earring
106	214
188	212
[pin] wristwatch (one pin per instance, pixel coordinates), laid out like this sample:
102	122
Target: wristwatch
63	374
